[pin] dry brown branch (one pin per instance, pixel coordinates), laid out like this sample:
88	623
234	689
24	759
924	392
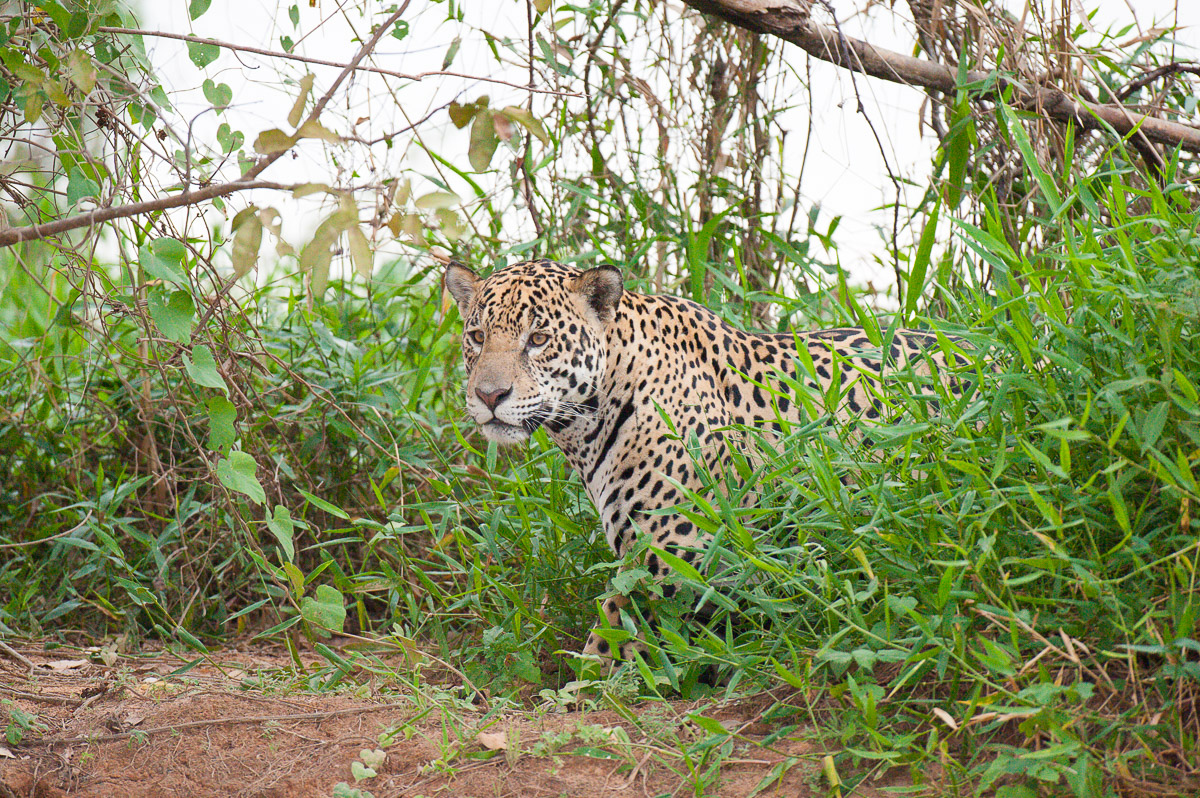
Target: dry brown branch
197	724
17	655
56	536
34	231
790	21
39	697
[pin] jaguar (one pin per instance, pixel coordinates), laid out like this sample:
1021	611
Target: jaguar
643	392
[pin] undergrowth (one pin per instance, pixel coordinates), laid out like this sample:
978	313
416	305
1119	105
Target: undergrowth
997	592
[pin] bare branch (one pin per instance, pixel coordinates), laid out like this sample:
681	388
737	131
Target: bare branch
100	215
247	181
790	21
241	48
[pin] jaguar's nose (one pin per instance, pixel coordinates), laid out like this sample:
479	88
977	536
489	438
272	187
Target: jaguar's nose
493	398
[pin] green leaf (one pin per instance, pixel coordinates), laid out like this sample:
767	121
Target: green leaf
326	610
958	141
202	53
324	505
221	417
1045	181
451	51
314	261
80	186
81	70
170	248
679	564
173	312
280	524
1156	420
318	253
452	225
541	6
709	725
916	278
197	8
312	129
360	252
372	758
202	368
294	15
436	199
344	790
237	472
461	115
627	581
272	141
295	578
528	121
219	94
483	141
158	261
34	101
306	84
144	115
360	771
1016	791
246	241
228	138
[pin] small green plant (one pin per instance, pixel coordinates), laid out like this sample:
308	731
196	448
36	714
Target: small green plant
20	723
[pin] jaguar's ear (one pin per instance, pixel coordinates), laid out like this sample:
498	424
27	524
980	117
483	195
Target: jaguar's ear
601	289
461	282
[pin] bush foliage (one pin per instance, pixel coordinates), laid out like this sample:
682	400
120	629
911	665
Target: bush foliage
997	591
1017	566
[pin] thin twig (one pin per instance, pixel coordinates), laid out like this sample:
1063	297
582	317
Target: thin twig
45	699
56	536
17	655
323	62
197	724
247	181
1155	74
526	176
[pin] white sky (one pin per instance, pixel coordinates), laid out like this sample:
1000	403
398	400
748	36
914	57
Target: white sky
845	171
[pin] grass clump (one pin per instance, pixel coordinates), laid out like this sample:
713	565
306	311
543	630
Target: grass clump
999	595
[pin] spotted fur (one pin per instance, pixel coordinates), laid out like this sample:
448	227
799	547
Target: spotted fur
599	367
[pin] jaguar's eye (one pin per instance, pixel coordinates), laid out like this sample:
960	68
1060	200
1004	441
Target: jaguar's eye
476	337
539	339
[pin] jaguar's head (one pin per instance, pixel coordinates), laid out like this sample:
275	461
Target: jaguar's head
534	342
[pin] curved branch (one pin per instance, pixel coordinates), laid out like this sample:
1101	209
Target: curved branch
790	21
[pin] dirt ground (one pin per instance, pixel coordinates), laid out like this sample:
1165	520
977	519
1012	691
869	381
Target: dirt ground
91	722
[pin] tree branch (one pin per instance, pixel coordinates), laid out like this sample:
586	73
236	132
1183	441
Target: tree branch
36	231
304	59
790	21
16	235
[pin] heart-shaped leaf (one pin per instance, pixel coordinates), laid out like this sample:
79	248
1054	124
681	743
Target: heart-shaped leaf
280	524
173	312
203	53
237	472
219	94
326	610
202	368
221	417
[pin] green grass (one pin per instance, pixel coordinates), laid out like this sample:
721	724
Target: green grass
1004	590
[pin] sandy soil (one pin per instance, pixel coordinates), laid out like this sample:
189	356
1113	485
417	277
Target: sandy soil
228	728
